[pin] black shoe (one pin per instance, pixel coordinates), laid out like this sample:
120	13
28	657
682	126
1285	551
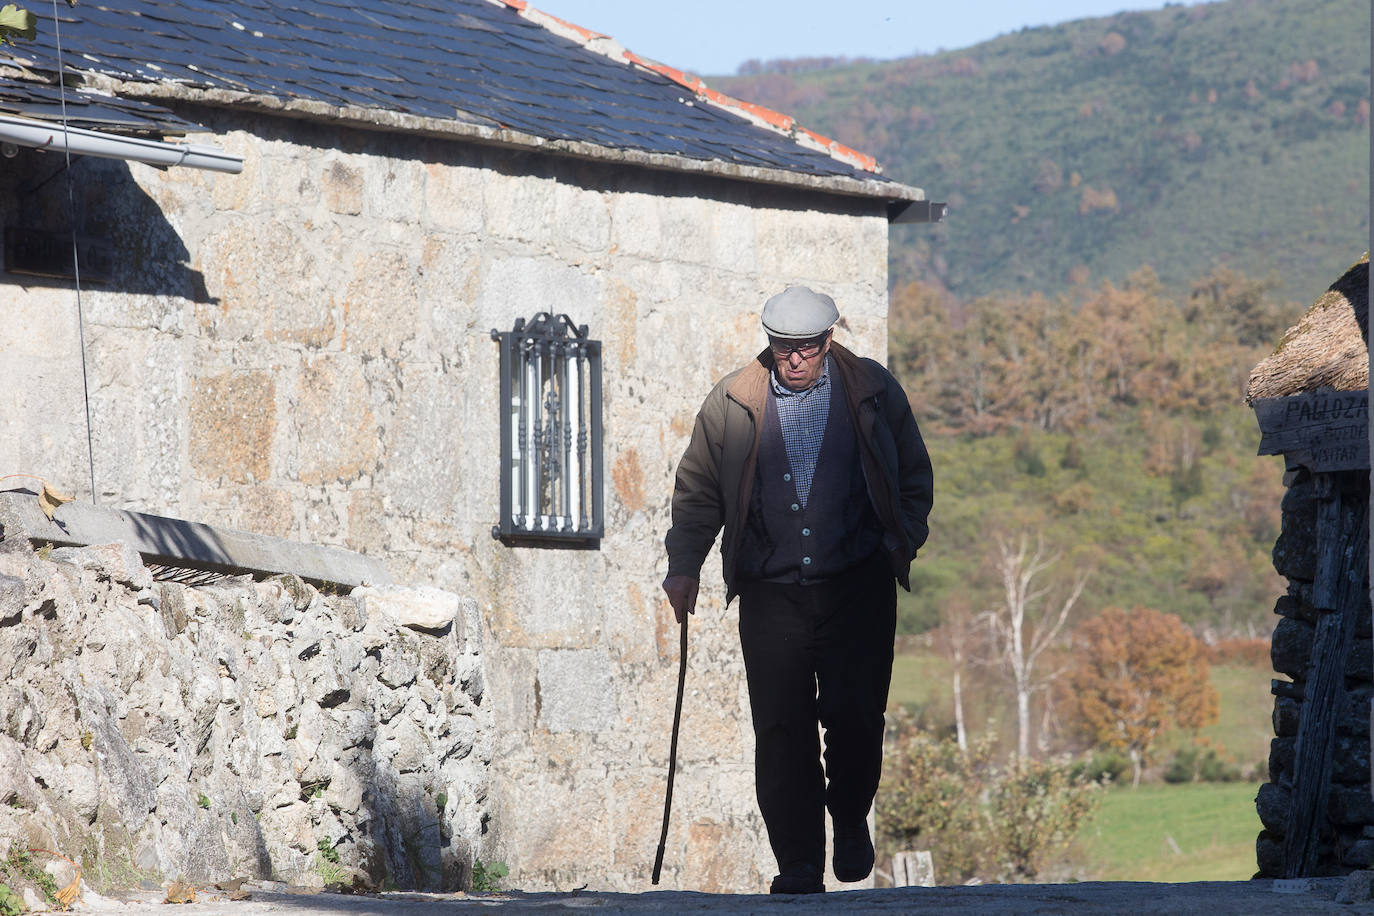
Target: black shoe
853	852
799	879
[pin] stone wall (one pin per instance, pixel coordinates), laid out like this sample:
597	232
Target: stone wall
1346	828
160	731
303	350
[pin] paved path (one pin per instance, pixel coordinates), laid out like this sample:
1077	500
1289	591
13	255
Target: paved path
1260	898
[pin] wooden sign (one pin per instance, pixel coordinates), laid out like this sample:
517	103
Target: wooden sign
1322	430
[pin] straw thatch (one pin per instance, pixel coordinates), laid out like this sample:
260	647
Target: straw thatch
1328	348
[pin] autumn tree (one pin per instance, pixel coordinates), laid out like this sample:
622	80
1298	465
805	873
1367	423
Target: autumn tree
1133	675
1063	363
924	351
1241	302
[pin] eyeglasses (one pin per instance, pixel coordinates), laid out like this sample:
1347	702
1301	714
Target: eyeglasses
806	349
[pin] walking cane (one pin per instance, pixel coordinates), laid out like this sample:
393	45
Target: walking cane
672	752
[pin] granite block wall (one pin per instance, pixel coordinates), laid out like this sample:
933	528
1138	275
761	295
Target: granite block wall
238	729
304	350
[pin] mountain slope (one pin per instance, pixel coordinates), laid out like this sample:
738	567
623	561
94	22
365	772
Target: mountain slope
1233	132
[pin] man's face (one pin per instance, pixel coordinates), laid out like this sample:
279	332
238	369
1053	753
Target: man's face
799	362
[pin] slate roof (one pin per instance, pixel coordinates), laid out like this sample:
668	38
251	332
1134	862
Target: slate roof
91	110
498	67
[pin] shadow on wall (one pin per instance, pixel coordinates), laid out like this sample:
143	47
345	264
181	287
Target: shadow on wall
126	243
188	545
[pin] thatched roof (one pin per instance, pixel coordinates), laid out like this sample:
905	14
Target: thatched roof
1328	348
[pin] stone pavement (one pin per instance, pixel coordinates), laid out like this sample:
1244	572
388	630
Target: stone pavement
1261	898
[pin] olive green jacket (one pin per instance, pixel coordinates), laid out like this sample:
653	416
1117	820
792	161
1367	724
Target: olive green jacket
716	475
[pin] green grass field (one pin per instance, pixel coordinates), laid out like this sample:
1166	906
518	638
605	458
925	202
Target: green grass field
1157	832
1244	727
918	679
1191	832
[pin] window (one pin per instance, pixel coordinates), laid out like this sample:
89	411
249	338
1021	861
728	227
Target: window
551	477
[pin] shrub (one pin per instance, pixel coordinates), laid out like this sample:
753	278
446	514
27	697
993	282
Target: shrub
1103	767
11	903
979	819
1026	457
1213	768
1202	765
1038	806
487	878
327	863
1183	767
930	799
20	867
1072	459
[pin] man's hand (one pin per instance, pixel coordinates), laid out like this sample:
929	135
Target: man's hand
682	595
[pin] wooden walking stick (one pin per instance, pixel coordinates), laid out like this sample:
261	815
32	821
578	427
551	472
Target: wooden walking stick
672	752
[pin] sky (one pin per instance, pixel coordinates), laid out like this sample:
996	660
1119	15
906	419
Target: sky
713	37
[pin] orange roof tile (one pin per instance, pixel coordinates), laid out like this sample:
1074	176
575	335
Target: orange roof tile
764	117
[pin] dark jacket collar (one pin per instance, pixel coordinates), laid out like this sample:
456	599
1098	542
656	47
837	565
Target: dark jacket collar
750	386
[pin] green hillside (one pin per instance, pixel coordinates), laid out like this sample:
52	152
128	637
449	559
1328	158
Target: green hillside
1228	133
1107	424
1142	539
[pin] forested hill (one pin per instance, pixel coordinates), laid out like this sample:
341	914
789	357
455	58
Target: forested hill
1230	133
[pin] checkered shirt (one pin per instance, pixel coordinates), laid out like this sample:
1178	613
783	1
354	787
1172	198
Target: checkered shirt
802	415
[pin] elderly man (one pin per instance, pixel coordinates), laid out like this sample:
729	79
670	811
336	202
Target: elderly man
811	461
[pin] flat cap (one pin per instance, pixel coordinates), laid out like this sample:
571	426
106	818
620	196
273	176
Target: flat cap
798	313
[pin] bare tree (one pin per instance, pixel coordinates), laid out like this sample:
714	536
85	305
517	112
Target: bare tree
958	665
1025	624
955	640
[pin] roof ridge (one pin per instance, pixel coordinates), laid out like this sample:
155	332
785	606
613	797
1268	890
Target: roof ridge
766	118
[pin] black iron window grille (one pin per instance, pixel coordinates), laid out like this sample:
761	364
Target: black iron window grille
551	477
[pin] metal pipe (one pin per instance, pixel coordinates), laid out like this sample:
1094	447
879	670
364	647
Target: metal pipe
510	445
584	520
538	473
574	421
527	456
565	438
43	135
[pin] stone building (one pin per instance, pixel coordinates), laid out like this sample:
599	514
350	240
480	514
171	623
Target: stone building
293	332
1311	397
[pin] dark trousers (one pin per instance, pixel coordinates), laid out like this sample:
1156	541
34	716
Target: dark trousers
817	653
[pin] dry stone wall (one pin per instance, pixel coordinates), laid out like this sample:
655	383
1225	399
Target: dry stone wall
304	350
1346	827
152	730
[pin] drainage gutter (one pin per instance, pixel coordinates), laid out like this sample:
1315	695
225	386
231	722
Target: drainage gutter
44	135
